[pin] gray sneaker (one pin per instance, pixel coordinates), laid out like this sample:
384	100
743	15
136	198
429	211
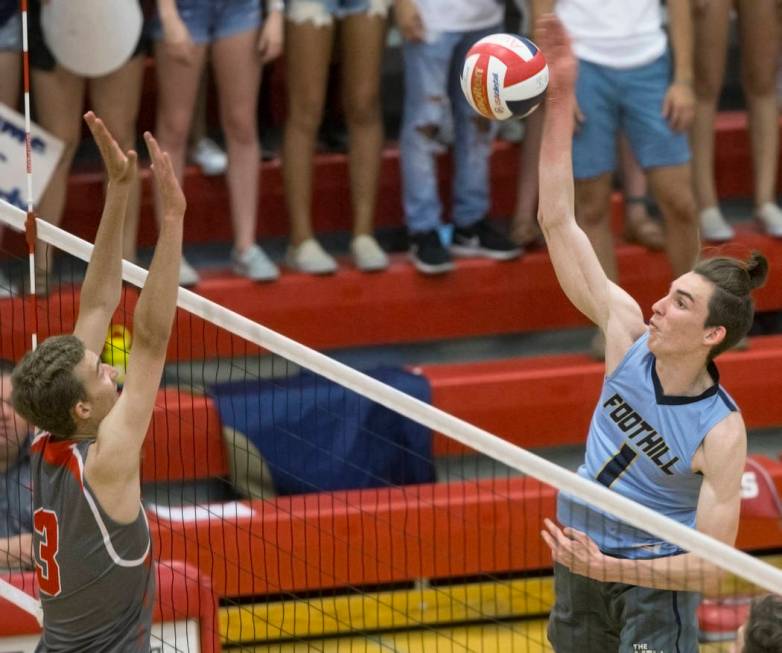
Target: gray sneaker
187	274
254	264
311	258
368	256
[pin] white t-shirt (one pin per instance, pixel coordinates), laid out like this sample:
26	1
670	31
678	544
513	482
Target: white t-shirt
459	15
614	33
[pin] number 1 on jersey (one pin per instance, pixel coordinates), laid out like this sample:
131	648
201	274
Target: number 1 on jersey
47	568
617	466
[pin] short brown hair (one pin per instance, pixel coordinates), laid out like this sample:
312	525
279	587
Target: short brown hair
763	633
45	388
731	304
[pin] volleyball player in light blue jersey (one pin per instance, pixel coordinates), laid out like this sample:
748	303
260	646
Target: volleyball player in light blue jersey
664	432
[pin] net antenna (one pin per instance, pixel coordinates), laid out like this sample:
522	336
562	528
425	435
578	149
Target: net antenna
8	591
721	555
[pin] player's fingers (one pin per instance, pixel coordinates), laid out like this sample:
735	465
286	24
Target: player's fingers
573	534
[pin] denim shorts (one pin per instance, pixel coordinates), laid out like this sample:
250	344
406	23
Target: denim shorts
628	100
11	34
324	12
210	20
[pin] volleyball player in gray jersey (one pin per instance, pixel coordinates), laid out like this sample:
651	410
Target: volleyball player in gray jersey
91	538
618	588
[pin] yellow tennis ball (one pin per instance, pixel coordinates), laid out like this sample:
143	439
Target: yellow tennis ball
116	349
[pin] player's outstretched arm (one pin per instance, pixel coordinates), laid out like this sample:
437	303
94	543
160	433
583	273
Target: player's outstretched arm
102	287
575	262
113	462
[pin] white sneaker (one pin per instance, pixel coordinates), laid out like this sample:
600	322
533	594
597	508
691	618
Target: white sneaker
367	254
713	225
187	274
254	264
209	156
311	258
770	217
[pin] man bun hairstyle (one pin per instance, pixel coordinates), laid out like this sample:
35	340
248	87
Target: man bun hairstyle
45	388
731	304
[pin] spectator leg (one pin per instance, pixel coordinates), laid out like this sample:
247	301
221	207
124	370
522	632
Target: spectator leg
59	98
10	80
115	98
711	39
363	33
759	48
177	89
307	54
593	214
671	187
237	69
524	228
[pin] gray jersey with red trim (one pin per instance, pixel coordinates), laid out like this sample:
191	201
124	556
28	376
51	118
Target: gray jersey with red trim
96	576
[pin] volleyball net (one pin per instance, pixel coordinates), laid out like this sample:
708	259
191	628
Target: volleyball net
296	503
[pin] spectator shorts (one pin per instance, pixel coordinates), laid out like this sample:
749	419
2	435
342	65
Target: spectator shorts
211	20
323	12
11	34
629	100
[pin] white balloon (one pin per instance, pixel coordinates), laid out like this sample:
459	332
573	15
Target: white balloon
91	38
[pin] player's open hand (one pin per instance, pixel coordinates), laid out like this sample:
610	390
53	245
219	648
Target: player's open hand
576	551
171	195
553	40
120	166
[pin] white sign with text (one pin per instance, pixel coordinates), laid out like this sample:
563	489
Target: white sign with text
46	151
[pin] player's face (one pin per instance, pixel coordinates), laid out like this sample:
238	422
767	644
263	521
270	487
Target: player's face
13	429
100	384
677	322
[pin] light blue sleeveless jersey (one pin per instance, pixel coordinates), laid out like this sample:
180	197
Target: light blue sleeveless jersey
641	444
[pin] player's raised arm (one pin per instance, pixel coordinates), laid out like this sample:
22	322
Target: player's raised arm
102	287
575	262
113	463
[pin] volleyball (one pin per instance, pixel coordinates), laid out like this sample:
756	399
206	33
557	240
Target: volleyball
116	350
504	76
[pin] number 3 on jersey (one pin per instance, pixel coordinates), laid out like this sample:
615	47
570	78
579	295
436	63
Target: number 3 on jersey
46	567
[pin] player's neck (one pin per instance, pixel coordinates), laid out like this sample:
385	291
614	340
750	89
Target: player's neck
683	376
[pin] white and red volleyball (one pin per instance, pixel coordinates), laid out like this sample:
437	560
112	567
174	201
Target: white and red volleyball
504	76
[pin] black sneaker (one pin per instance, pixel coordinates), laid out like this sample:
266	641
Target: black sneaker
428	254
483	239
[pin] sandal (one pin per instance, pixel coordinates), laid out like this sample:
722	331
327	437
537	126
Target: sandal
527	233
645	230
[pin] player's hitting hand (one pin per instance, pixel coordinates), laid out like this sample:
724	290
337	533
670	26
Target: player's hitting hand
171	195
576	551
120	166
553	40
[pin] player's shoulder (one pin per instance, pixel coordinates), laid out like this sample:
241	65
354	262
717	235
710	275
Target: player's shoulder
725	445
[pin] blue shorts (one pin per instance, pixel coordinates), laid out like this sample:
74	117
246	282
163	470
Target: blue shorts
210	20
630	100
11	34
324	12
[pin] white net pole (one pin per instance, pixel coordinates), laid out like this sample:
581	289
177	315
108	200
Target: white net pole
722	555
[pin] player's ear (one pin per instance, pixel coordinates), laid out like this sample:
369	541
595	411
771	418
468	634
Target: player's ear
714	335
81	411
